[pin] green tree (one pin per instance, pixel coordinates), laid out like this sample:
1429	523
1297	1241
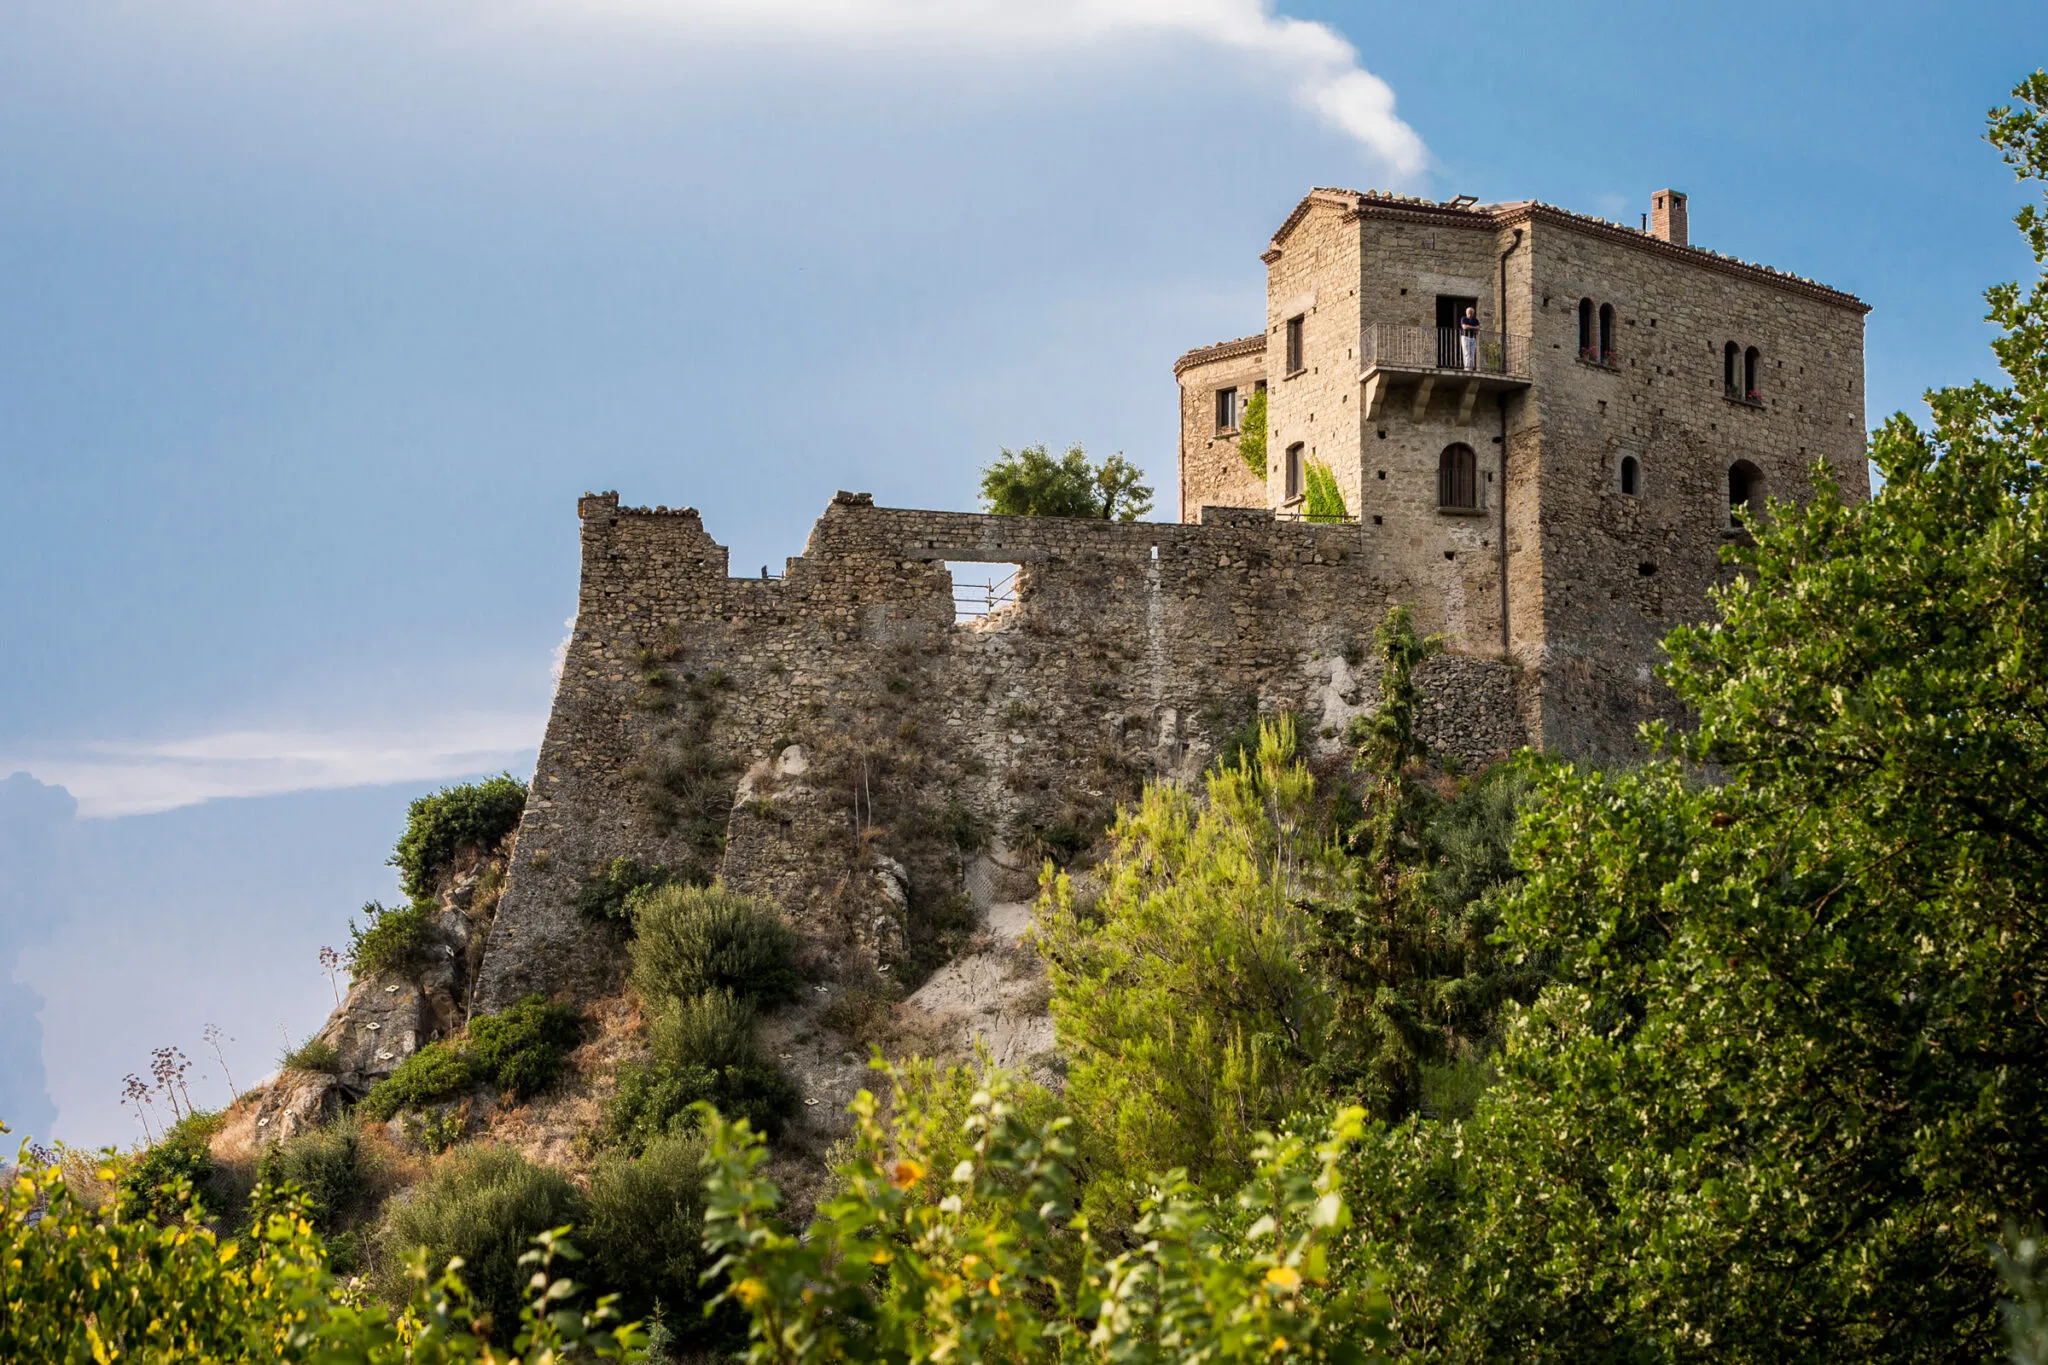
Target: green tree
1788	1083
473	815
888	1272
1031	483
1251	433
1417	989
1184	997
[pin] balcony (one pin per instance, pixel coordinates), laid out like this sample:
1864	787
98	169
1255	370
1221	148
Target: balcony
1425	360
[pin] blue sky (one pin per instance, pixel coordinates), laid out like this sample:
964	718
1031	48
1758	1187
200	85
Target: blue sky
316	316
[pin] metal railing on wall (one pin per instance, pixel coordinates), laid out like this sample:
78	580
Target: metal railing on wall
972	601
1444	348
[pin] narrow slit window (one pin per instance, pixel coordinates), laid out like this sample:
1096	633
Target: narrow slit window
1631	476
1728	355
1294	353
1606	334
1585	329
1226	409
1750	360
1295	478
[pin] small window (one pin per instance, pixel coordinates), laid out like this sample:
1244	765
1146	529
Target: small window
1294	364
1751	358
1606	334
1295	481
1631	476
1745	490
1226	409
1586	351
1457	477
1728	355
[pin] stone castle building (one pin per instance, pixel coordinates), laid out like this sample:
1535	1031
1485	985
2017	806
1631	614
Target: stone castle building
1549	492
1562	484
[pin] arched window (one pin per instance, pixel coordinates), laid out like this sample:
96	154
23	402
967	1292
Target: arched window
1745	489
1586	351
1750	358
1457	477
1728	354
1606	334
1631	475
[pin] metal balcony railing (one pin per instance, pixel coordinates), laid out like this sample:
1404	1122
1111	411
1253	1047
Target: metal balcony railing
1443	348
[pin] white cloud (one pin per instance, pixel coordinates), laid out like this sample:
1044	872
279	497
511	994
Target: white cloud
118	778
1318	64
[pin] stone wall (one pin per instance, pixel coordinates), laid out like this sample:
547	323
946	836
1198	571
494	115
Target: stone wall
853	742
1595	577
1212	473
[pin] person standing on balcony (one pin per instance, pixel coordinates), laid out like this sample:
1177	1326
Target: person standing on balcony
1468	338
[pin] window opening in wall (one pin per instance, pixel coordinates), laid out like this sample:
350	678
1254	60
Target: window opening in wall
980	589
1631	475
1451	351
1728	354
1586	351
1226	409
1606	334
1457	477
1295	479
1745	489
1749	364
1294	345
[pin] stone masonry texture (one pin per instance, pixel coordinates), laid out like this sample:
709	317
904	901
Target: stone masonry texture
1131	651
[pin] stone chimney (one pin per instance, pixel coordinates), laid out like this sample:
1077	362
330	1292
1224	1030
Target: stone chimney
1667	217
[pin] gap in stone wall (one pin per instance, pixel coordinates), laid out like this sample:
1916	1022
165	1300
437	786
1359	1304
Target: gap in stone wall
980	589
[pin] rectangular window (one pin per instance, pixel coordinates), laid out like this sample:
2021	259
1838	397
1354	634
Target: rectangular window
1294	364
1295	482
1226	409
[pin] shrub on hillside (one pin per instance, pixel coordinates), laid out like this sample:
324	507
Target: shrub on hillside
329	1168
149	1184
644	1231
394	940
436	1072
614	893
701	1049
483	1204
521	1049
438	827
693	939
315	1054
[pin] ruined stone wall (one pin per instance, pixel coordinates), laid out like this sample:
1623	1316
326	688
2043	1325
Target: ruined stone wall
1212	473
853	742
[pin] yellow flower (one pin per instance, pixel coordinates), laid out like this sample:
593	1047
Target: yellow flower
905	1173
750	1291
995	1285
1284	1277
1279	1345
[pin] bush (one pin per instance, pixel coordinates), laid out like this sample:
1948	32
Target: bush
483	1204
80	1285
521	1049
693	939
329	1166
614	893
148	1185
644	1230
435	1072
315	1054
474	815
395	940
702	1049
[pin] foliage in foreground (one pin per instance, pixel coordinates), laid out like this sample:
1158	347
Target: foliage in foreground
80	1285
914	1262
1030	483
1788	1082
